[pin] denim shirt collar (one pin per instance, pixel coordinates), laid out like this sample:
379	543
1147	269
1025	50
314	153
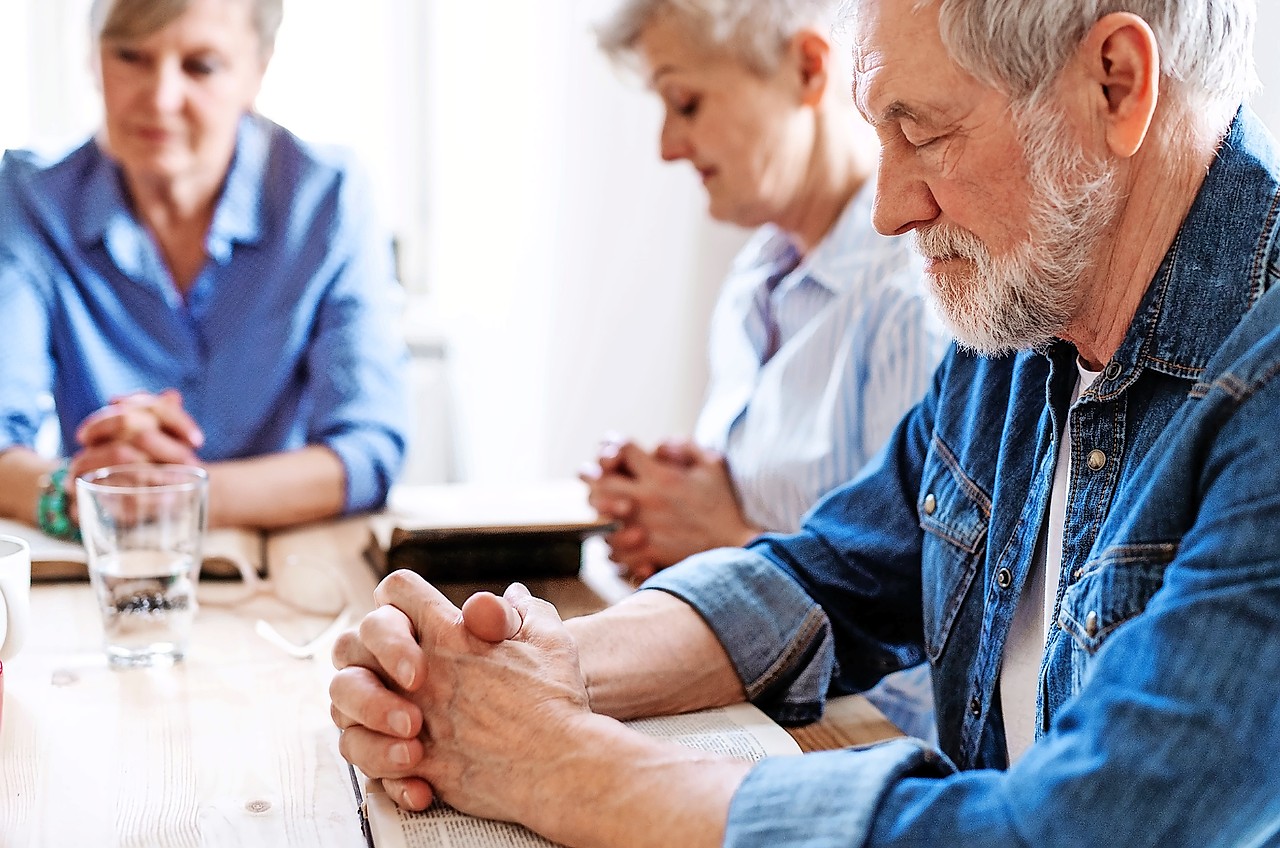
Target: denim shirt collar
109	219
1195	299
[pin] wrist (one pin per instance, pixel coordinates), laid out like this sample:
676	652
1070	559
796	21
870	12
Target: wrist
586	758
53	514
746	534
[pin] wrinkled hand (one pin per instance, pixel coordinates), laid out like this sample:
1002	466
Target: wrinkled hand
672	502
471	709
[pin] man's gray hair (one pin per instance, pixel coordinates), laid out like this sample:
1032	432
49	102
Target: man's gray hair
754	31
1206	46
139	18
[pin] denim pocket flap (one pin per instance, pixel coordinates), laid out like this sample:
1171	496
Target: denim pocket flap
1113	589
954	514
952	506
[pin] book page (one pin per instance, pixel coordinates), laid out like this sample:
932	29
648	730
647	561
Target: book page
741	731
51	559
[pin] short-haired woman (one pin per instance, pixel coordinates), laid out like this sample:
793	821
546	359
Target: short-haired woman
195	284
822	338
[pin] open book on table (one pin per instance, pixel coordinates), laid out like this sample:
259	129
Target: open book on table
225	550
741	731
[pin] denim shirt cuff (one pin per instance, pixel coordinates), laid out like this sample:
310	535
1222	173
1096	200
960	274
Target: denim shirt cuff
826	799
777	638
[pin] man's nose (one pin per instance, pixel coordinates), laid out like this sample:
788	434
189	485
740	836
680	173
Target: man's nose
904	200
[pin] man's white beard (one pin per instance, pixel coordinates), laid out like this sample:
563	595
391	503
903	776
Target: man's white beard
1026	298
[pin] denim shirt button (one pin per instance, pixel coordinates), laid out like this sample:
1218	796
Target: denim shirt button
1004	578
1096	460
930	504
975	706
1091	624
1113	370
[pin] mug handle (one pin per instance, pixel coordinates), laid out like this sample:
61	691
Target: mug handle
4	625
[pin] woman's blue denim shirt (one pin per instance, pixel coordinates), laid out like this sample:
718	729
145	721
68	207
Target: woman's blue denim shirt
1159	701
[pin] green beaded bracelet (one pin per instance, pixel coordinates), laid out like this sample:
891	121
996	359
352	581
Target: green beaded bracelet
51	511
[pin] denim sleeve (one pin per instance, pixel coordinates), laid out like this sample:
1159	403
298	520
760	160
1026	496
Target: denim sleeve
26	369
357	359
767	625
789	800
833	608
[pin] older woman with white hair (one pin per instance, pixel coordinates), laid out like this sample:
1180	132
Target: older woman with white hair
821	338
197	285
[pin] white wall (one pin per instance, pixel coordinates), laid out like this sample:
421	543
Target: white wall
572	271
1267	101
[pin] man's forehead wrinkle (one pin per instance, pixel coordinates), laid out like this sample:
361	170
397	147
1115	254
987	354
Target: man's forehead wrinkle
865	66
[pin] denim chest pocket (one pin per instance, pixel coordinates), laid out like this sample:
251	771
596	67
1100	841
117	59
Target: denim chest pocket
1113	589
955	514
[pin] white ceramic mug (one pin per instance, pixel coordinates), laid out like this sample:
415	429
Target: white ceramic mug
15	594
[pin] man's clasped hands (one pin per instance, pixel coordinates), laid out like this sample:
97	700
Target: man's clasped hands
425	691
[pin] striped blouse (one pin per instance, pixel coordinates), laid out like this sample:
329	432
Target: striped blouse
857	345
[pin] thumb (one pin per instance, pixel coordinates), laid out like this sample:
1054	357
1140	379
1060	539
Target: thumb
491	618
539	618
679	451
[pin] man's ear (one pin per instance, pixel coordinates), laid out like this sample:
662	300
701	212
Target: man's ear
810	55
1122	64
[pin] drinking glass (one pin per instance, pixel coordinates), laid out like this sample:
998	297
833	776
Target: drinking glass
143	528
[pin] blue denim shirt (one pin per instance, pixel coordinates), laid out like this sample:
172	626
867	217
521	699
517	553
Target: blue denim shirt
1161	678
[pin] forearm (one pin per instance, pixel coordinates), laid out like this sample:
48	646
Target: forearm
652	654
276	490
618	787
20	473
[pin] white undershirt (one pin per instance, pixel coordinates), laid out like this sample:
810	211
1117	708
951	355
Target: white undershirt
1024	649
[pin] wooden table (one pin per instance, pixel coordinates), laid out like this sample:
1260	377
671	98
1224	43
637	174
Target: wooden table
233	746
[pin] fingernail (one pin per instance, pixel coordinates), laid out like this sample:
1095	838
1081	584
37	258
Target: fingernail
400	754
399	721
405	674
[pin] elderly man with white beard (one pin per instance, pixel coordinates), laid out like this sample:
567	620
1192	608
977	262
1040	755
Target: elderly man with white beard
1077	526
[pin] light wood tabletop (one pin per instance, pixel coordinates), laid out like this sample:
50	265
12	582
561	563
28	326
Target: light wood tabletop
232	746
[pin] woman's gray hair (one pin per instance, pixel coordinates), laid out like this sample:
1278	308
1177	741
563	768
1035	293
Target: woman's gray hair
1021	46
754	31
139	18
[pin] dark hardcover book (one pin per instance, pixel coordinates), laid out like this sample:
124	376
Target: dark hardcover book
490	554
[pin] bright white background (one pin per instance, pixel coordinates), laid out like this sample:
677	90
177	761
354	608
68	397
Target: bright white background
568	271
